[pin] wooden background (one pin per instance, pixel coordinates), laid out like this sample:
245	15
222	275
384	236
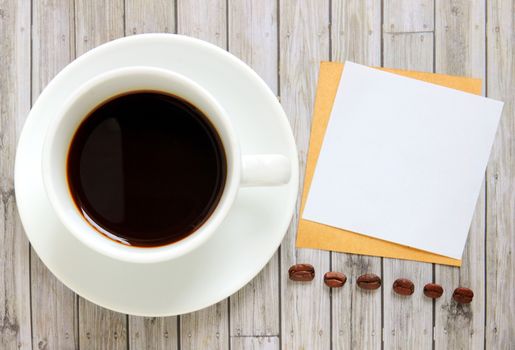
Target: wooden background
284	41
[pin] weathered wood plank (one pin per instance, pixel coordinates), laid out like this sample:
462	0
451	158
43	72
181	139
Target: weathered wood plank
255	343
100	328
206	329
255	308
407	321
54	307
500	214
356	31
413	51
95	24
253	38
460	50
206	20
54	310
304	42
157	16
356	315
157	333
151	17
401	16
15	328
460	38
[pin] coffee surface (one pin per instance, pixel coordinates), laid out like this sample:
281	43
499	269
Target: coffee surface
146	169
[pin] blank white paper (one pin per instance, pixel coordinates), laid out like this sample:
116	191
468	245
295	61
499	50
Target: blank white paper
403	160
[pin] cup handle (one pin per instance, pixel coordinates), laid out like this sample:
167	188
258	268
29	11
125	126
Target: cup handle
265	170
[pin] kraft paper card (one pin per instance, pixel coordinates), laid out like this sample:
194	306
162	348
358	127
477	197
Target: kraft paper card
315	235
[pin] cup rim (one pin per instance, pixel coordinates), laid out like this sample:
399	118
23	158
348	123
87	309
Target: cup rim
98	241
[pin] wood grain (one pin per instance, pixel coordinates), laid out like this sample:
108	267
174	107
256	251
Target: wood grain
206	20
15	327
253	38
408	321
156	333
403	16
460	50
253	28
412	51
54	307
356	31
206	329
460	38
255	343
356	313
97	23
142	16
255	308
304	42
356	36
99	328
500	179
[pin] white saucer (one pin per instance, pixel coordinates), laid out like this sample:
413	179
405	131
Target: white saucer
246	240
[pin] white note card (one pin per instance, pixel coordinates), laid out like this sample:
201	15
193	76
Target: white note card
403	160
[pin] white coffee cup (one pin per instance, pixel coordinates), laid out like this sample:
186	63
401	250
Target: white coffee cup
242	170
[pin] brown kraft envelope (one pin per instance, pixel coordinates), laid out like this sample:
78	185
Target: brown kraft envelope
319	236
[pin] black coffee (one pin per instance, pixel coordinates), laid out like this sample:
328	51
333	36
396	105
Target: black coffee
146	169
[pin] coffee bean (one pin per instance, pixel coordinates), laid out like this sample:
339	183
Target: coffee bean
433	290
403	286
369	281
463	295
335	279
302	272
